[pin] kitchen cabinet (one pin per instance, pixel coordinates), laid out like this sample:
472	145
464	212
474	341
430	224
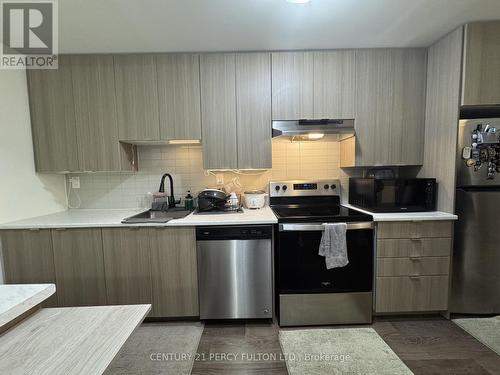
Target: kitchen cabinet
236	110
53	118
28	258
390	107
74	119
218	111
79	267
174	272
413	265
335	84
95	112
178	79
292	85
481	64
127	264
253	110
136	97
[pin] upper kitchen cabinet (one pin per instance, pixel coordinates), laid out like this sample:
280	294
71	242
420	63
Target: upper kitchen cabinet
390	107
178	79
292	85
53	118
335	84
253	105
95	110
481	76
218	111
136	97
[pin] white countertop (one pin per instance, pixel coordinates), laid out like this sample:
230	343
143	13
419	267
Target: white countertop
406	216
93	218
16	299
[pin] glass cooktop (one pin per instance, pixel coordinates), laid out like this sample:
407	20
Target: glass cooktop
319	213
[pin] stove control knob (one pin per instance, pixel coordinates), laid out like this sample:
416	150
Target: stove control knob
326	186
277	188
333	186
285	187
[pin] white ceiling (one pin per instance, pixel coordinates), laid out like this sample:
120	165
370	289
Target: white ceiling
101	26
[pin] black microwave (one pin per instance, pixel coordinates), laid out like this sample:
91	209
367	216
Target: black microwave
393	195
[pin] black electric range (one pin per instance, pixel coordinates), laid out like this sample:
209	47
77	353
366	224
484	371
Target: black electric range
307	293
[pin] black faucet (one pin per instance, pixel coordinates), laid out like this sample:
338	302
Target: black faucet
171	199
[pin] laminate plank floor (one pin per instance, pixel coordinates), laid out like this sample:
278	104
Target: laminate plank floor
428	345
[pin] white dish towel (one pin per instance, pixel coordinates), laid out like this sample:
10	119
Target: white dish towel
333	245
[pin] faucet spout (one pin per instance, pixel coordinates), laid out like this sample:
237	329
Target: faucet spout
171	199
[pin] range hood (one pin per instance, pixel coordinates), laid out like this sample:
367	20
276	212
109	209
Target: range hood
313	129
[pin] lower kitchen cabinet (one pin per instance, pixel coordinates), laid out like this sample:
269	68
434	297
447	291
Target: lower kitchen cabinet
94	266
413	265
28	258
127	264
411	294
79	267
174	273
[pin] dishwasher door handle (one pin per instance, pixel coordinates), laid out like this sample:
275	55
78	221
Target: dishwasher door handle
319	227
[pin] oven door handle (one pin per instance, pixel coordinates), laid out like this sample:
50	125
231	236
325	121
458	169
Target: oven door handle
319	227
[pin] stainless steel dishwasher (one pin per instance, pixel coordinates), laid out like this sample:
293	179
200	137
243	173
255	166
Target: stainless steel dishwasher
235	271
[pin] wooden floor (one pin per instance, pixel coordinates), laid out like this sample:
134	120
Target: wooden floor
428	345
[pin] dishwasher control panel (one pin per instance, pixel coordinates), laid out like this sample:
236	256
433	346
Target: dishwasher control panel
230	232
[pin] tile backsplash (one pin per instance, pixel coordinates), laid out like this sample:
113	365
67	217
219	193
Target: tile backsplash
297	160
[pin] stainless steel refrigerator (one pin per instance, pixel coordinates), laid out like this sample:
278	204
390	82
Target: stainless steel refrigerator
476	255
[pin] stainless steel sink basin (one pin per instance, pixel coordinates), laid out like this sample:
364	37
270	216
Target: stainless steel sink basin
151	216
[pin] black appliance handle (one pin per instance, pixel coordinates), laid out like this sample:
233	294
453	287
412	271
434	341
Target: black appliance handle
301	227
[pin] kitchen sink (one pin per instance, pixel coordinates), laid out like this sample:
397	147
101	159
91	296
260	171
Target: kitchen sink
151	216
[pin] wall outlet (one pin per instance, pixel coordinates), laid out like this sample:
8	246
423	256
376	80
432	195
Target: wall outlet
75	182
220	178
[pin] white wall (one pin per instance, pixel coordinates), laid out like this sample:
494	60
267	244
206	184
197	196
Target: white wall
23	193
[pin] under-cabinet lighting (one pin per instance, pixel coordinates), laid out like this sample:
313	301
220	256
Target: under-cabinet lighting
315	135
184	142
298	1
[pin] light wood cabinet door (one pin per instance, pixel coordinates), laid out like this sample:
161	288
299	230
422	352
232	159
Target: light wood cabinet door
218	111
411	294
127	264
335	84
292	85
28	258
174	273
481	78
179	96
253	104
79	267
390	102
53	118
414	230
95	110
136	97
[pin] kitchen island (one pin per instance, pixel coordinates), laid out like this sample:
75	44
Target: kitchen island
76	340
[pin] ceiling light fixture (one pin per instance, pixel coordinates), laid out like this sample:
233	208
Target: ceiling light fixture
298	1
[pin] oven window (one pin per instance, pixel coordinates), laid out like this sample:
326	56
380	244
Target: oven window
302	270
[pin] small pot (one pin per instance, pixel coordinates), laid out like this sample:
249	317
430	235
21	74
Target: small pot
255	198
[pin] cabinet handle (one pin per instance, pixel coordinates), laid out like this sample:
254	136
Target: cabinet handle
414	277
60	229
415	258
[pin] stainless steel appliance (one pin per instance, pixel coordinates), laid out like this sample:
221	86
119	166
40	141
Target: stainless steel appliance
313	129
393	195
307	293
476	254
235	272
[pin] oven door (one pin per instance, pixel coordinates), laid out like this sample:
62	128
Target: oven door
302	271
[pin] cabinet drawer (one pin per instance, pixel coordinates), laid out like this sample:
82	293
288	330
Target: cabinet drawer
414	229
418	293
418	247
415	266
